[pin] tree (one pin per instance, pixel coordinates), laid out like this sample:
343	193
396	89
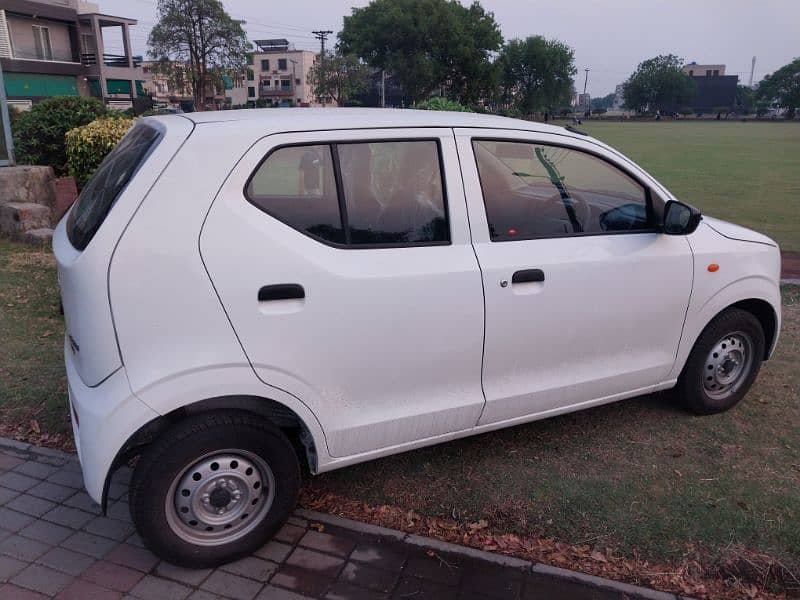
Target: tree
426	45
604	102
745	99
201	34
338	76
782	87
536	74
659	84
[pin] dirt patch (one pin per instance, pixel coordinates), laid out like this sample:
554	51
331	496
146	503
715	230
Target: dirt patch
790	265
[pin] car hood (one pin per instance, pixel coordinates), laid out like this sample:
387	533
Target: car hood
737	232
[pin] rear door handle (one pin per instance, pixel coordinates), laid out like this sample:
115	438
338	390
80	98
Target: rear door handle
281	291
527	276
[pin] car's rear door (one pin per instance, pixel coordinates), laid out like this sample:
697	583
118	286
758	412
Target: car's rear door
344	262
585	300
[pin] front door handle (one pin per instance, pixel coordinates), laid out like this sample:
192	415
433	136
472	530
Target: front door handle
281	291
527	276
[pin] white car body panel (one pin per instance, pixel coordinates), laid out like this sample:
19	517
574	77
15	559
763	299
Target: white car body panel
386	346
386	353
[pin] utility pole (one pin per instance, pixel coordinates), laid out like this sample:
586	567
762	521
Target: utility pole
752	72
383	88
322	36
585	81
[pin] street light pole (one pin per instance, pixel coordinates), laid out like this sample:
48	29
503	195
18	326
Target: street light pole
585	81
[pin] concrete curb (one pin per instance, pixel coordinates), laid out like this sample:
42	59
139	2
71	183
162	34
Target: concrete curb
625	589
790	281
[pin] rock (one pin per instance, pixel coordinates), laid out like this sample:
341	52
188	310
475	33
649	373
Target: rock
38	237
27	184
18	217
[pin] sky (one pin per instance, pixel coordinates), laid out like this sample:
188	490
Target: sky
610	37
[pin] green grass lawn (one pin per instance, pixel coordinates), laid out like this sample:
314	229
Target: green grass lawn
748	173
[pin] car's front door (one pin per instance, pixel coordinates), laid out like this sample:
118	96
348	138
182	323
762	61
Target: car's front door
344	262
585	300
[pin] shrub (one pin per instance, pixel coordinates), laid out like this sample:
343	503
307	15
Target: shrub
39	132
88	145
442	104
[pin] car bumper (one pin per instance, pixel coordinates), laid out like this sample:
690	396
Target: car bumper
103	419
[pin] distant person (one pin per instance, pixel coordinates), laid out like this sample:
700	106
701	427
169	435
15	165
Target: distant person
546	116
658	115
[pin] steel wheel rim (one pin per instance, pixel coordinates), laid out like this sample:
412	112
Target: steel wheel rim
220	497
727	365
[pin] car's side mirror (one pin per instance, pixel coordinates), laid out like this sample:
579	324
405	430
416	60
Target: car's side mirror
680	218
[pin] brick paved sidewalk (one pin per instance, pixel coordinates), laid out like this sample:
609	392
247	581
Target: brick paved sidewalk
54	543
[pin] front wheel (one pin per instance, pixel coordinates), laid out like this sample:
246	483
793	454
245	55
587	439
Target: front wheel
723	363
213	488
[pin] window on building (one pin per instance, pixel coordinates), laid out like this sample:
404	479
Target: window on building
708	72
297	81
393	192
41	40
250	75
266	83
251	92
88	43
286	84
691	73
265	64
534	190
281	64
716	72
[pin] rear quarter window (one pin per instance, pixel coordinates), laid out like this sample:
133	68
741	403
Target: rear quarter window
108	182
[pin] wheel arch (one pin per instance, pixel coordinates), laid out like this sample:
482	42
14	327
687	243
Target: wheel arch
766	315
282	416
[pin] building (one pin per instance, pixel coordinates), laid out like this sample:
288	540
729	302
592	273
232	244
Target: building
58	48
618	105
715	92
278	75
584	102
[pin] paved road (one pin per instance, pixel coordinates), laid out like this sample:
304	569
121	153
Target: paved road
54	543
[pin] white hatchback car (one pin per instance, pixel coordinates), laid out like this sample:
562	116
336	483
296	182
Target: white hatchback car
248	290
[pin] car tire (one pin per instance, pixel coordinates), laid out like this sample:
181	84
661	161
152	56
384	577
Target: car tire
214	487
723	364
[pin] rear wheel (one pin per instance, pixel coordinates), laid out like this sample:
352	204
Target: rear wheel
723	364
214	487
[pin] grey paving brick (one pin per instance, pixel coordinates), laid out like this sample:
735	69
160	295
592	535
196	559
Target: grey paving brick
274	593
192	577
8	462
231	586
73	465
110	528
325	542
82	501
117	491
155	587
297	521
120	510
13	521
412	587
49	533
52	452
135	540
290	534
9	444
341	590
22	548
87	543
300	581
41	579
134	557
9	591
51	491
311	560
252	567
68	517
274	551
86	590
6	495
431	568
389	556
204	595
51	460
31	505
67	478
66	561
9	567
109	575
377	580
35	469
17	481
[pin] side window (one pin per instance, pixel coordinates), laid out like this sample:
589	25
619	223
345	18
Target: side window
296	185
536	190
393	192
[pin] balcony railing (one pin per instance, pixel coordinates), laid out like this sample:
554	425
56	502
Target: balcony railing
110	60
272	92
53	56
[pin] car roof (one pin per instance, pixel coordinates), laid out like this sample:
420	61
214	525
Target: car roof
310	119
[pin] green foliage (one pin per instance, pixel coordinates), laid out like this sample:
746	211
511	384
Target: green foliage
339	76
782	87
203	37
88	145
536	74
39	132
426	45
745	99
605	102
659	84
442	104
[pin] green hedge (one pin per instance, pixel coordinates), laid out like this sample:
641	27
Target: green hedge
39	132
88	145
